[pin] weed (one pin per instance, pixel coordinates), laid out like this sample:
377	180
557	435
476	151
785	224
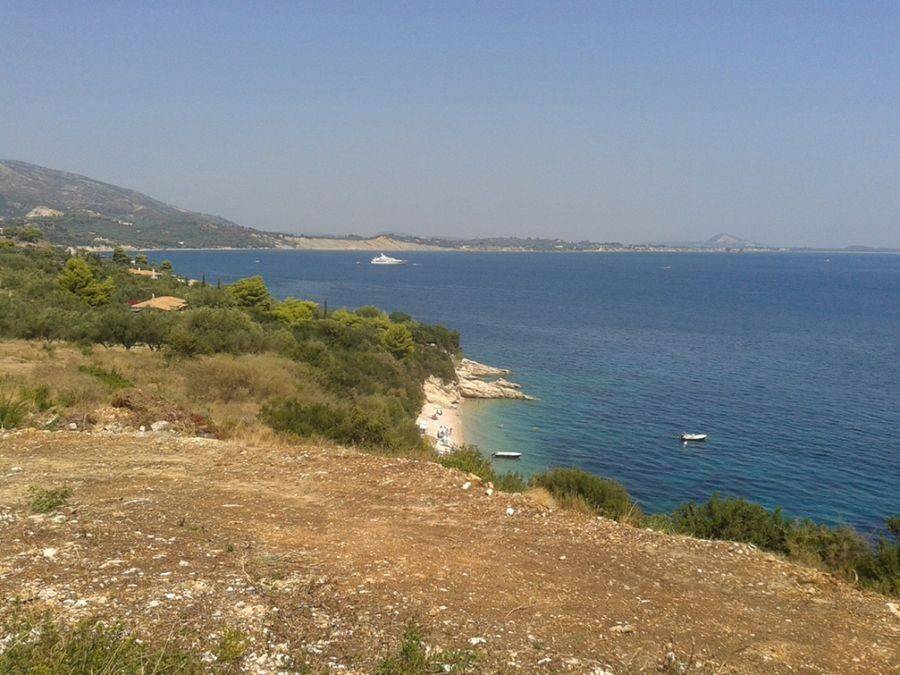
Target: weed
89	647
111	377
42	500
232	646
39	397
12	412
414	658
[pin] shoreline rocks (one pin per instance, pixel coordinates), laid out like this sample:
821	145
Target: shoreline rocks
474	382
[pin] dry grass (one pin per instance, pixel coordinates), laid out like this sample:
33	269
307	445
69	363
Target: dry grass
255	377
227	390
541	496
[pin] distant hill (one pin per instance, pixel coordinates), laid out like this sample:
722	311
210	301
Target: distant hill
725	239
75	210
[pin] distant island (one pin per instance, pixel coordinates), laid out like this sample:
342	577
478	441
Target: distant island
67	209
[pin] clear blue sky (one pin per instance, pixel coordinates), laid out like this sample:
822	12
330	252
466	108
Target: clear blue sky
778	122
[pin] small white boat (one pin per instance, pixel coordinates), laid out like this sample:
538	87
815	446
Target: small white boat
386	260
507	455
693	437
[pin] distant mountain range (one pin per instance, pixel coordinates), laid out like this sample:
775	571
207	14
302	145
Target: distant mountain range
74	210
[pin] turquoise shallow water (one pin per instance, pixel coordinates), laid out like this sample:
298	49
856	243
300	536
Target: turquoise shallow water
791	362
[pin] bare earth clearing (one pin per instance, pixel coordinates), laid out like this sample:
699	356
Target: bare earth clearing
321	555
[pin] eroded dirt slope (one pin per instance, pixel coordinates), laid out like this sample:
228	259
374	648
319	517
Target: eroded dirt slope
320	556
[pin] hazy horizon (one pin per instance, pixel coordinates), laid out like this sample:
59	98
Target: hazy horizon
778	123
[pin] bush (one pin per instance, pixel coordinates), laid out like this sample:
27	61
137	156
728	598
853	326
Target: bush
469	460
733	520
39	397
12	412
210	330
251	292
841	550
370	426
112	378
294	313
398	341
510	482
42	500
602	495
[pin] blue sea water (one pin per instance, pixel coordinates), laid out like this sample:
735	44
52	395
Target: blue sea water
790	362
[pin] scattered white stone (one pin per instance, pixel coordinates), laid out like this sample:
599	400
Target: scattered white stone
142	429
489	492
622	628
894	608
184	563
510	511
49	553
73	426
466	485
477	641
153	603
160	425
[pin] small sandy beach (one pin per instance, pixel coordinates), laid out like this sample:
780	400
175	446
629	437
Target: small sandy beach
446	399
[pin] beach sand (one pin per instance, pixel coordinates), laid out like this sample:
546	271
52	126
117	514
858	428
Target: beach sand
445	398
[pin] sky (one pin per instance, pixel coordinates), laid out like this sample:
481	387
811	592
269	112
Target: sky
627	121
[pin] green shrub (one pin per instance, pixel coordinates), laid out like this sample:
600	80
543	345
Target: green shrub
469	460
12	412
251	292
510	482
39	397
733	520
371	426
604	496
111	377
398	341
841	550
41	500
211	330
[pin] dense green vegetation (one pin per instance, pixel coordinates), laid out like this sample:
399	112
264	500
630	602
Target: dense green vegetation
366	368
841	550
600	495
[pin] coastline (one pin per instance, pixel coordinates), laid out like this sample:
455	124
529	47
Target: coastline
441	418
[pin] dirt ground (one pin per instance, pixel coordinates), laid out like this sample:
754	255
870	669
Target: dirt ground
319	556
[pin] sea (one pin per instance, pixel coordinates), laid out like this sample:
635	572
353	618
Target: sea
790	362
